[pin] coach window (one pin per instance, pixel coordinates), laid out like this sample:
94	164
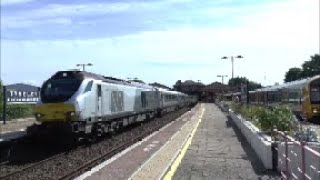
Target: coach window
88	87
143	99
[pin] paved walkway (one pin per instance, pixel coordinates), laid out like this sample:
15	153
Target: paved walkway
219	151
149	158
14	129
16	124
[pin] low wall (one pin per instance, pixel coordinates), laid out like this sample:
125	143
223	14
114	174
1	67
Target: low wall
260	143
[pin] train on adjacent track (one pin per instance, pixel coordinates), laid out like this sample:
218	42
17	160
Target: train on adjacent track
83	103
301	96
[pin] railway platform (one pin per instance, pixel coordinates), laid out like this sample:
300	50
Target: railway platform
15	128
201	144
219	151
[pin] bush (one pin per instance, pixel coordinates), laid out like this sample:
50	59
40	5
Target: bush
267	119
15	111
236	107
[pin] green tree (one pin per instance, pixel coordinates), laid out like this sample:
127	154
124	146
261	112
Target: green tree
309	68
238	81
312	67
293	74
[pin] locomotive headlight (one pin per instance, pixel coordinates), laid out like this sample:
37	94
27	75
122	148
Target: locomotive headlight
72	113
315	111
38	115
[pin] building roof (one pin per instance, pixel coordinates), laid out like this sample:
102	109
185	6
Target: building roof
21	87
215	86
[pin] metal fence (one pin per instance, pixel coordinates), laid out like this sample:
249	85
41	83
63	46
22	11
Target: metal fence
297	159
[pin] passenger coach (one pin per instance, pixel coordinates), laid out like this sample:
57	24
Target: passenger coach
302	96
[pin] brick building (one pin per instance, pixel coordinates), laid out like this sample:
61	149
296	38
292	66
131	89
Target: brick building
204	92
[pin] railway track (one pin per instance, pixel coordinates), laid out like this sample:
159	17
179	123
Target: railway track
308	125
69	164
78	171
29	166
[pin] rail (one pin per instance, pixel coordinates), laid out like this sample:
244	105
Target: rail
77	171
39	163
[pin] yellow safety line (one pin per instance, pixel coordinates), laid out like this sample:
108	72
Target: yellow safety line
177	161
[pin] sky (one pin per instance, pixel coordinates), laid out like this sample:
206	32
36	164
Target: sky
157	40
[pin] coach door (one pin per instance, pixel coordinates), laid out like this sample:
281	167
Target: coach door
99	101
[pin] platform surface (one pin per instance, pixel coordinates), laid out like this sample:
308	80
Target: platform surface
202	144
130	161
14	129
219	151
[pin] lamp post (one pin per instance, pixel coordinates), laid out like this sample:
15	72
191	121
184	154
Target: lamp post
232	61
222	81
222	77
84	66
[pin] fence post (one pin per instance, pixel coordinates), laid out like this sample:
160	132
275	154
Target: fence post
286	156
303	163
4	110
274	147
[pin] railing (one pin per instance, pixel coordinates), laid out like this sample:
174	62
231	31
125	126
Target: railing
296	159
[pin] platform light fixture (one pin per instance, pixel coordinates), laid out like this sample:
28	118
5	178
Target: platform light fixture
232	61
222	77
84	66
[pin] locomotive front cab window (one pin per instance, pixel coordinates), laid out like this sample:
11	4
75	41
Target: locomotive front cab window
315	92
59	90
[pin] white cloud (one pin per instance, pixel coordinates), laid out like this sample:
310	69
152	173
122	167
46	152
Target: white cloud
166	9
10	2
76	10
273	39
59	14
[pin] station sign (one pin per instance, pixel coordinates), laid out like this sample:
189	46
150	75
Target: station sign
22	97
22	93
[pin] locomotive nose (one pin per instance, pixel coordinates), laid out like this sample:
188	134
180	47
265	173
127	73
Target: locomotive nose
55	112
